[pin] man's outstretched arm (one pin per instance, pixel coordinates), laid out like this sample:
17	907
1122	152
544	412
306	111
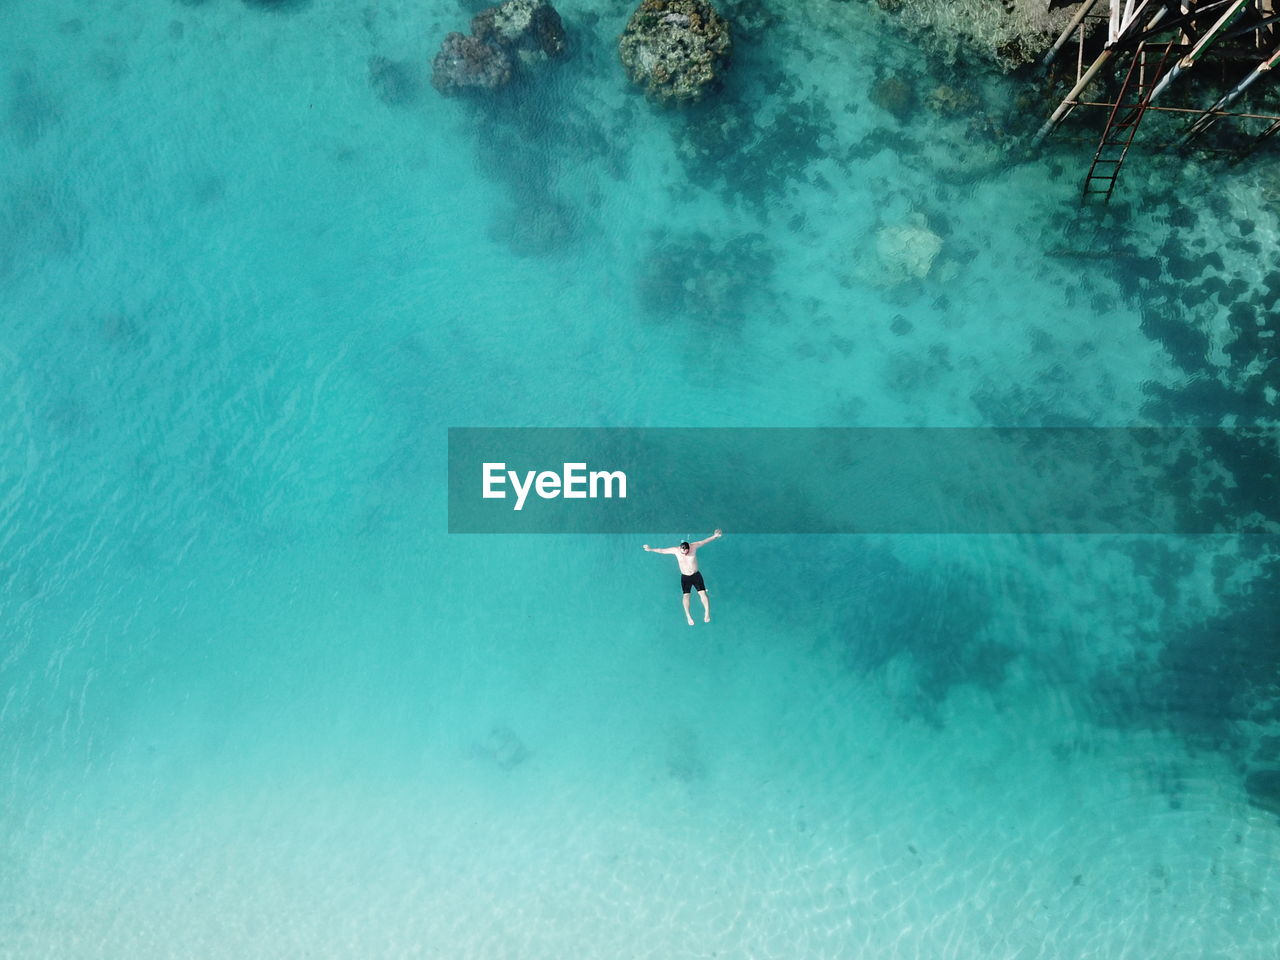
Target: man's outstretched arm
659	549
702	543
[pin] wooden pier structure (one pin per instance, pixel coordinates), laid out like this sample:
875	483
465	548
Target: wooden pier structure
1153	45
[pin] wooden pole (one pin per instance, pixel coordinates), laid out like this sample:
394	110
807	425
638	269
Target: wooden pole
1206	119
1201	46
1067	102
1083	12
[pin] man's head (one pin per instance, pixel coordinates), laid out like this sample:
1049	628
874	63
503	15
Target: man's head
684	546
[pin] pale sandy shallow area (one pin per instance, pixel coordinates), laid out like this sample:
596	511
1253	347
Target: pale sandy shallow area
920	846
700	793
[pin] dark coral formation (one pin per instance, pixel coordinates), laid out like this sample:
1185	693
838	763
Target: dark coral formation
675	49
530	29
894	94
502	37
465	63
727	145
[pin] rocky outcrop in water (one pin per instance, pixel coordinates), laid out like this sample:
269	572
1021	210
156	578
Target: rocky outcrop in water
529	29
465	63
675	49
502	38
894	94
1012	33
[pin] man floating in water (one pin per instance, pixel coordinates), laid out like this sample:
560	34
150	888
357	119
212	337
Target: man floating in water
687	556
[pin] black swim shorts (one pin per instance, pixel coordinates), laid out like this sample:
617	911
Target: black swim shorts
694	580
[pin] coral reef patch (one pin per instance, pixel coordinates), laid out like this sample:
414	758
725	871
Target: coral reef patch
502	39
1012	33
675	49
529	29
466	63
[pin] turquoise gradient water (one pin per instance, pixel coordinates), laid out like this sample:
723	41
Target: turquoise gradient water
255	702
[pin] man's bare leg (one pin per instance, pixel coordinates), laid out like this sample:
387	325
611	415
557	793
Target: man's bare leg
706	606
687	615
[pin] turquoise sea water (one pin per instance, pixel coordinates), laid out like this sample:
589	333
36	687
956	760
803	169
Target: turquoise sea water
254	702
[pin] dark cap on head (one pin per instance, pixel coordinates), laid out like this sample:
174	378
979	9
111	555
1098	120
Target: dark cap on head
684	544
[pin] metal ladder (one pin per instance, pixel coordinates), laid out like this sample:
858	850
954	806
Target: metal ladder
1130	106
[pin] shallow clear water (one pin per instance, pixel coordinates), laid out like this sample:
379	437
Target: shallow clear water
255	702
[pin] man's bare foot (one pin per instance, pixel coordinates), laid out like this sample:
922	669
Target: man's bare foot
689	618
706	618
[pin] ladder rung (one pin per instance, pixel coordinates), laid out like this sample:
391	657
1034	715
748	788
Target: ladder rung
1130	106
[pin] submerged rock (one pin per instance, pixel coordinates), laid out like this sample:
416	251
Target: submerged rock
465	63
1012	33
675	49
946	99
907	250
531	29
503	747
894	95
515	32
